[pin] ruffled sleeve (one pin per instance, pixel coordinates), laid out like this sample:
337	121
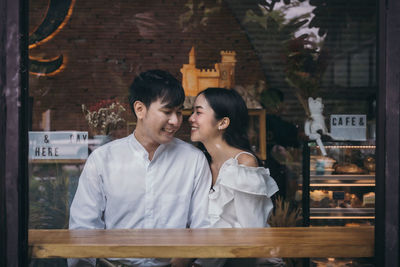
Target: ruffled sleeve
250	180
242	196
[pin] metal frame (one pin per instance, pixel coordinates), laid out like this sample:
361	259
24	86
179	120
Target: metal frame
306	184
13	133
388	135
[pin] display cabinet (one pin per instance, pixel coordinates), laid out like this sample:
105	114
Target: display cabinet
339	189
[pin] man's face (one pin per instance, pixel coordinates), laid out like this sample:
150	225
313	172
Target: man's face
160	123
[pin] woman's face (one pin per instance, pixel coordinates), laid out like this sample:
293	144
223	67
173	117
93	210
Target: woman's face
203	122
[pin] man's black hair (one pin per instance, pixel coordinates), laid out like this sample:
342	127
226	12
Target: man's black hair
149	86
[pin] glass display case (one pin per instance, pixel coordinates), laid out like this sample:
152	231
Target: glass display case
339	188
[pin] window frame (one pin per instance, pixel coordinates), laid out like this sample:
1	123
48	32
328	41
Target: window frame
14	139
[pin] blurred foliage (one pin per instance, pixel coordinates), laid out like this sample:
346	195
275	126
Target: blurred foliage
331	16
269	5
301	69
51	189
275	28
264	16
272	100
305	65
269	32
48	203
198	13
50	195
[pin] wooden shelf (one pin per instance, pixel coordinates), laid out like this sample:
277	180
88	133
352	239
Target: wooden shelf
342	217
343	210
370	184
342	213
204	243
343	177
342	180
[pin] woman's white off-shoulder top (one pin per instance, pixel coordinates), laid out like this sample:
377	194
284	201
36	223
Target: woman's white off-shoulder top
241	196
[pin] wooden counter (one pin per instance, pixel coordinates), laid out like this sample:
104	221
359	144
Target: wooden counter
297	242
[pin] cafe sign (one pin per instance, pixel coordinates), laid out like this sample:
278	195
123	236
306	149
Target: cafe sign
349	127
58	145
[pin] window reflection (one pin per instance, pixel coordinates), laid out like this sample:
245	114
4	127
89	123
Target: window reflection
286	52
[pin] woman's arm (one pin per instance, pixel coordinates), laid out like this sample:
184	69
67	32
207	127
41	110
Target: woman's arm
252	210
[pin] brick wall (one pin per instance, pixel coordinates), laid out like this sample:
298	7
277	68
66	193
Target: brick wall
106	43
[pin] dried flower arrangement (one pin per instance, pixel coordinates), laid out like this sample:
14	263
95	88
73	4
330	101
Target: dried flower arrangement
285	215
104	116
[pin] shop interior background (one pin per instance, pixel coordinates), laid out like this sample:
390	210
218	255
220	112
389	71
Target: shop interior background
86	52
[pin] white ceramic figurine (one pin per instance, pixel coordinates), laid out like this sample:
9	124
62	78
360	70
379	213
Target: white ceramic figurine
316	122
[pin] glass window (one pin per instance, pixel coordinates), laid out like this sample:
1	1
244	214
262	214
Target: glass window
306	69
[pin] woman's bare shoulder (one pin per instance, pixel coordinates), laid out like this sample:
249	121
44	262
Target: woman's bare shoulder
247	159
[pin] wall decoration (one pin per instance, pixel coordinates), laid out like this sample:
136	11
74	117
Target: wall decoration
58	13
46	67
195	80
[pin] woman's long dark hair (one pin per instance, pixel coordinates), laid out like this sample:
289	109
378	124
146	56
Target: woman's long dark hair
228	103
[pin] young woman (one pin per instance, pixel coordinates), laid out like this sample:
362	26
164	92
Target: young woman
241	190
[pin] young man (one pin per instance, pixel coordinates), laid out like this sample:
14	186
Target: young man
149	179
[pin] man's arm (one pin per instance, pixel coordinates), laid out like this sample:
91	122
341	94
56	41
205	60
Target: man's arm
198	210
89	203
199	202
88	206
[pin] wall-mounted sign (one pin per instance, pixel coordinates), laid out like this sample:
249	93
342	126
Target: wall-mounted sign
349	127
58	145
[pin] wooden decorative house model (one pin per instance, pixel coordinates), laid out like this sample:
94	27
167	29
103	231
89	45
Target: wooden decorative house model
195	80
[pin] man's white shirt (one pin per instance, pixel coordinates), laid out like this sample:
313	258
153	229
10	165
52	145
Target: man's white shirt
120	188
